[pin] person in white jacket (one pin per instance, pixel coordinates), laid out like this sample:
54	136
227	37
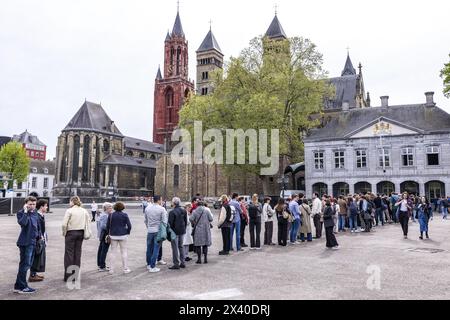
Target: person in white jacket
268	217
317	214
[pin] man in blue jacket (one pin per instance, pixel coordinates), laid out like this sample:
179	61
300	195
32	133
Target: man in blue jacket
28	221
236	226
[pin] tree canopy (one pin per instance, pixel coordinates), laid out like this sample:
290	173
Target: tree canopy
273	84
445	75
14	161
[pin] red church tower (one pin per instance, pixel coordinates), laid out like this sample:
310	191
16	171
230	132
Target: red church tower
172	90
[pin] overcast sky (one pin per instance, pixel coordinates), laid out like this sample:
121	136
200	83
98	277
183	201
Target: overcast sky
56	53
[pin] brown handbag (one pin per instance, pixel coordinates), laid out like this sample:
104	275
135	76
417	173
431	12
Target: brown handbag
108	237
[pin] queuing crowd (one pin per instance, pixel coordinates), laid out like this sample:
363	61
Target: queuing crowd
188	227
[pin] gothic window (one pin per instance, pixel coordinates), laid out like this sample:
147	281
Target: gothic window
361	158
86	149
407	157
76	157
172	53
106	146
169	97
178	60
176	175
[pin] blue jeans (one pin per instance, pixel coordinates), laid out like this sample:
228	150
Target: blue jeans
152	249
308	237
444	213
236	227
294	230
341	223
379	215
102	252
353	222
26	259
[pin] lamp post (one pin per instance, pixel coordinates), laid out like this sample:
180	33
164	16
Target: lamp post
283	180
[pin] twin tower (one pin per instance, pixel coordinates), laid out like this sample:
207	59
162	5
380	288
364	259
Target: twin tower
174	87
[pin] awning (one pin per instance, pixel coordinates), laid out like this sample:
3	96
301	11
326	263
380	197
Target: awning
295	168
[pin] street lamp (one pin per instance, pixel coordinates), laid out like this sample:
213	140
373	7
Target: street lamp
283	180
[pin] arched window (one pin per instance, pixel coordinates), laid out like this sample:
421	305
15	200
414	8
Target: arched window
129	153
169	97
86	147
141	155
176	176
172	53
105	146
178	60
153	157
76	157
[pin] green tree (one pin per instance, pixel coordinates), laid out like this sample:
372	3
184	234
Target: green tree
445	75
14	161
271	85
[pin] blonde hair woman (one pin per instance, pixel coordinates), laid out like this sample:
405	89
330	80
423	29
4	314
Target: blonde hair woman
75	229
255	212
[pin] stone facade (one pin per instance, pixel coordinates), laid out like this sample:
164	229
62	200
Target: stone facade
382	154
93	159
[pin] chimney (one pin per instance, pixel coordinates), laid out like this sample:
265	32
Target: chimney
345	106
384	101
429	97
368	99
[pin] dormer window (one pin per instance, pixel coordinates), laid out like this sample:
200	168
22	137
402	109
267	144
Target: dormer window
34	170
45	170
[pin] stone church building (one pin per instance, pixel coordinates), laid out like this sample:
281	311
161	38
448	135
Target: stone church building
95	160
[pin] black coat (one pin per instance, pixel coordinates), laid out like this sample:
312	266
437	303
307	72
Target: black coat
178	220
328	217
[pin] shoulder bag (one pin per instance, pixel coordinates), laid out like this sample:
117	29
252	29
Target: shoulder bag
196	223
108	236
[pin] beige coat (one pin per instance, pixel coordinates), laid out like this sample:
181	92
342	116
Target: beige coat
76	218
306	219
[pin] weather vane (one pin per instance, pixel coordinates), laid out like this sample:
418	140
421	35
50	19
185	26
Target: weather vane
210	24
276	9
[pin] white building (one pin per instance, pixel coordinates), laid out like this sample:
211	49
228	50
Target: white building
381	149
40	180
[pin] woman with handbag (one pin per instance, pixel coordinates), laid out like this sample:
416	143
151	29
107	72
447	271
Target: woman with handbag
102	232
282	217
201	219
39	257
267	216
187	239
119	228
224	224
75	228
329	225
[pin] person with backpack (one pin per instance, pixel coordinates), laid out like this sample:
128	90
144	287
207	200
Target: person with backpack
255	212
224	224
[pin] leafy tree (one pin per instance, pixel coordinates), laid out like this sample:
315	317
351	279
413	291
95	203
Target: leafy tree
273	84
14	161
445	75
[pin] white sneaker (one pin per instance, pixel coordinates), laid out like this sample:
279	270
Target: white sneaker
102	270
161	262
258	248
335	248
352	231
149	267
153	270
126	271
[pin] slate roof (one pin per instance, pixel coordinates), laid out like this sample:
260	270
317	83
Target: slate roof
345	91
129	161
348	68
40	165
143	145
167	36
425	119
92	117
177	27
209	43
26	137
275	30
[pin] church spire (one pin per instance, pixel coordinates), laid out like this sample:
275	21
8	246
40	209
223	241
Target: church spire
275	30
177	27
158	74
348	69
